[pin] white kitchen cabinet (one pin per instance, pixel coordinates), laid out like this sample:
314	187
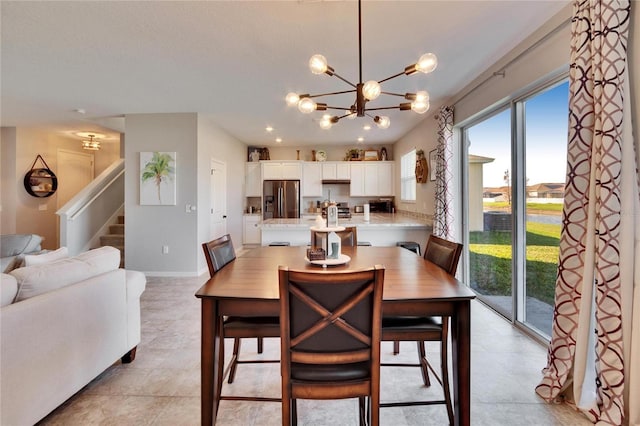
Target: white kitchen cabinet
336	170
275	170
253	180
311	179
357	179
371	179
252	233
385	178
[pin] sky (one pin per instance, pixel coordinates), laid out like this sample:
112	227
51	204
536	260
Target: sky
546	139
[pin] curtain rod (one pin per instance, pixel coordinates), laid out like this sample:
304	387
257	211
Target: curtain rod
502	70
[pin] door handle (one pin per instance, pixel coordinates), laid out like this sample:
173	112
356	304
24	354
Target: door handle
224	216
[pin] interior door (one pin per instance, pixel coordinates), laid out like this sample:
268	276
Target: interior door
218	198
75	171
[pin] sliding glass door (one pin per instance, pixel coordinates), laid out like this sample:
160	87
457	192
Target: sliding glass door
490	212
515	175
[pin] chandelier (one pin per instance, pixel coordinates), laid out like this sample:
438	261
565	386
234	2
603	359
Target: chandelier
365	92
90	144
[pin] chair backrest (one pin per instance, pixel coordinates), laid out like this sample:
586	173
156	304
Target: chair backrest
348	237
330	317
218	253
443	253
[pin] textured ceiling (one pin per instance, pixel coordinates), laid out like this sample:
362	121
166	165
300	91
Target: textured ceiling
234	61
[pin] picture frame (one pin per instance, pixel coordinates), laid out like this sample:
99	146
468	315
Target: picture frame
254	153
371	155
433	161
158	178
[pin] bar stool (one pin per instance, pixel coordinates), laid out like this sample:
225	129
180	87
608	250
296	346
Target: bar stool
410	245
279	244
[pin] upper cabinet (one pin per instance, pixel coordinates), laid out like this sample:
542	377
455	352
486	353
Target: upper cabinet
253	180
374	178
336	170
276	170
312	179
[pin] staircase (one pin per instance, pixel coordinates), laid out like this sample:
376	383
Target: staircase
115	238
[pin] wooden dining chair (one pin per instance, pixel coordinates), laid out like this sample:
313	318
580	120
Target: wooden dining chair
348	237
219	253
446	255
330	338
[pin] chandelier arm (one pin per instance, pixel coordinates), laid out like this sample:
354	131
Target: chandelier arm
337	108
382	108
344	79
402	95
392	77
329	94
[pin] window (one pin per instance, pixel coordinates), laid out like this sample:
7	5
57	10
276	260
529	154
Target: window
408	176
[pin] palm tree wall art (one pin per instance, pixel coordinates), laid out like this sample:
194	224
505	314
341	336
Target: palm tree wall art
158	178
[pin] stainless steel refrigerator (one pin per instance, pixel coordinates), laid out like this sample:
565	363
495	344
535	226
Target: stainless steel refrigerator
281	199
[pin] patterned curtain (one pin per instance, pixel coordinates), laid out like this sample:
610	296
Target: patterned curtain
591	348
443	217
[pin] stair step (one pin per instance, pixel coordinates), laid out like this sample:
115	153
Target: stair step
117	229
112	240
121	219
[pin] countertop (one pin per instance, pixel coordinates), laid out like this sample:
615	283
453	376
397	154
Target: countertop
377	220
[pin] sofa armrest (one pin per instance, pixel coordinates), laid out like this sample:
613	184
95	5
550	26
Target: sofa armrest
136	283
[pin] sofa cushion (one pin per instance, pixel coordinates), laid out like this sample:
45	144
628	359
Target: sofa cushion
8	289
38	279
15	244
38	259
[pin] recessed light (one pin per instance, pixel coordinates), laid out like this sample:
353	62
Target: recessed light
269	129
278	140
360	139
367	127
80	110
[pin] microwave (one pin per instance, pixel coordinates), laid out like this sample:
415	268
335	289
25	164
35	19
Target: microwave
381	206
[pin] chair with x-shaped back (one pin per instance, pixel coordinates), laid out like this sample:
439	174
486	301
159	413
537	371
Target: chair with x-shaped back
219	253
330	338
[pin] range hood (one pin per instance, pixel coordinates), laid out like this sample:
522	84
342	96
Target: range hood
335	181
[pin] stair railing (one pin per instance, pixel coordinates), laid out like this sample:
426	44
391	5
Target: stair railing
86	216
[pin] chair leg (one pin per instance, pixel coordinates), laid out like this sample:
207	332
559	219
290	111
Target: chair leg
396	347
424	365
444	361
260	344
294	412
220	364
362	411
233	364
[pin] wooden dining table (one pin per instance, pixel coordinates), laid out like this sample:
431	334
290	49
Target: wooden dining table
248	286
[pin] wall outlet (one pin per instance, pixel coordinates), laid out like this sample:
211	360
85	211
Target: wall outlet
165	249
42	207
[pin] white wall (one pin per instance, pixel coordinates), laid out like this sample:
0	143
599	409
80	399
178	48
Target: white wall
215	143
196	140
149	228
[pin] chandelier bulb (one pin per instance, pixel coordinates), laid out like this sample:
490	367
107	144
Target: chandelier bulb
326	122
422	96
371	90
306	106
382	121
318	64
420	107
292	99
427	63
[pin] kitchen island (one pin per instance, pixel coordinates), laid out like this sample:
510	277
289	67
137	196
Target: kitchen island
383	229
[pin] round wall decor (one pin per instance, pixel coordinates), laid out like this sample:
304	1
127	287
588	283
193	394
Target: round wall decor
40	182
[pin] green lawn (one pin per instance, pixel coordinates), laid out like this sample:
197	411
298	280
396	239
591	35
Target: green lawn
490	257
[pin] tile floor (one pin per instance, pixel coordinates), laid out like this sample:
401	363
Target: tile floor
162	386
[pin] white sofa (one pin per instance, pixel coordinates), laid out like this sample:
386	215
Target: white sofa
67	322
